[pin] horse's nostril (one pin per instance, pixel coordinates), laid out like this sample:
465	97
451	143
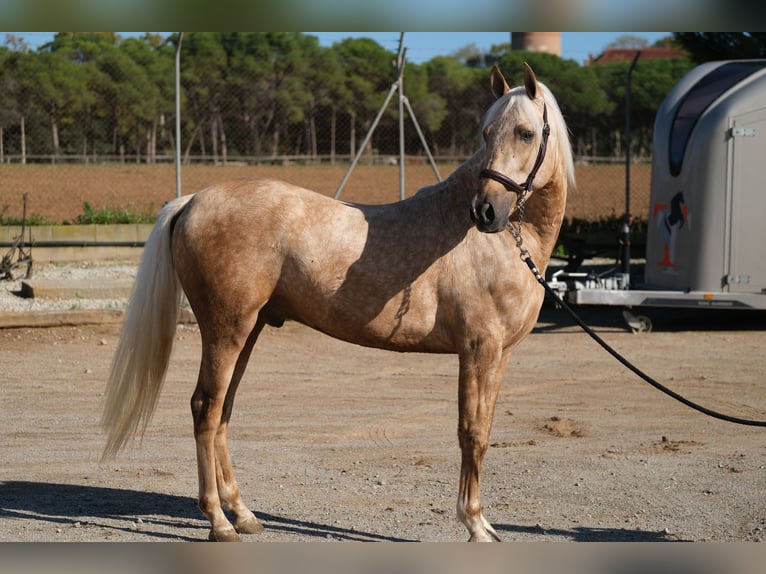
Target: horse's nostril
487	213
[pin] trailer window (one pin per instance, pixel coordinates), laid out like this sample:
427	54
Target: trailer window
699	97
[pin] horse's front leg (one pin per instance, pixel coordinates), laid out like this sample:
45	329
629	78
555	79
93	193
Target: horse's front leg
481	372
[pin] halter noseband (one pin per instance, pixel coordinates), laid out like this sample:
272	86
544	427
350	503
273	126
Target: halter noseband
506	181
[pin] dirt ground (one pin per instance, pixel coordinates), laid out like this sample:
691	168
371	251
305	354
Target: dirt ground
337	442
57	192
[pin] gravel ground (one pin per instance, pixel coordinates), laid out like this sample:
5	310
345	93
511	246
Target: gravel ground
337	442
11	301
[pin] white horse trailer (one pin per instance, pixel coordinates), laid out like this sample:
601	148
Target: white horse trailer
707	217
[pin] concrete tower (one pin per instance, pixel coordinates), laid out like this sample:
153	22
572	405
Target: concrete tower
549	42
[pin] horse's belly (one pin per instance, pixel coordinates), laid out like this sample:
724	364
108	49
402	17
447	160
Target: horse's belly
401	323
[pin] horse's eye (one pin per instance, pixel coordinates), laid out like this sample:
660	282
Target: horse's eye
526	135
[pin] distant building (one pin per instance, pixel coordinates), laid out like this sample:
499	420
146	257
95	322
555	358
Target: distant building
627	54
549	42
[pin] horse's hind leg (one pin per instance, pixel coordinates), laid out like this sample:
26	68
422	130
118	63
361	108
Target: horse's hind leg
224	358
245	521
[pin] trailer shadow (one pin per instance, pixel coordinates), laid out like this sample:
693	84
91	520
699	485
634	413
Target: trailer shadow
609	318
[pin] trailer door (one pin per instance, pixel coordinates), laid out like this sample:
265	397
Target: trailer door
747	198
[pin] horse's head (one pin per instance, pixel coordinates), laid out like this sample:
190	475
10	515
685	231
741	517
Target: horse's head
515	133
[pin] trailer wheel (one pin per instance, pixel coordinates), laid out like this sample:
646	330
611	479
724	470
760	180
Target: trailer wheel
637	323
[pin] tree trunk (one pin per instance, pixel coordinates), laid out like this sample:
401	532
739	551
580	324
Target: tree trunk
453	139
138	145
275	142
224	149
187	152
333	120
214	137
151	152
314	146
593	141
55	139
23	142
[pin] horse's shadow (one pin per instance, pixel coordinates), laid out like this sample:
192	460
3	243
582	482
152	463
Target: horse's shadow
85	505
74	504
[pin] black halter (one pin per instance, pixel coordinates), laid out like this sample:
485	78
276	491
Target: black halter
506	181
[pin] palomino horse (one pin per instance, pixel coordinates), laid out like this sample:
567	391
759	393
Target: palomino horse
432	273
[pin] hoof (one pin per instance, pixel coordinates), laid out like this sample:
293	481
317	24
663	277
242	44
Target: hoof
228	535
488	536
480	538
249	526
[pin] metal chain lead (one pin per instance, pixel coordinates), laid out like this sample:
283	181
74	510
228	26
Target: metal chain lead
526	257
516	231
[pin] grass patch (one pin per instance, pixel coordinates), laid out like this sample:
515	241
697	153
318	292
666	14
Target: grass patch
111	215
32	219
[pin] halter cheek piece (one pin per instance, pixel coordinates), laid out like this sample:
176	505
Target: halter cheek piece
506	181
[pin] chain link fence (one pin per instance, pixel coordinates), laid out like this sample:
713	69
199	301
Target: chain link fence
61	192
95	131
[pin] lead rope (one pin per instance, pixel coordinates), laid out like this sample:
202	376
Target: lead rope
527	258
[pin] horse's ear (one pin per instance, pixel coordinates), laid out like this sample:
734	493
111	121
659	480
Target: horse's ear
530	82
497	83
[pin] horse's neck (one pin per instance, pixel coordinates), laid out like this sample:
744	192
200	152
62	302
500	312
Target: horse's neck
466	175
455	191
543	216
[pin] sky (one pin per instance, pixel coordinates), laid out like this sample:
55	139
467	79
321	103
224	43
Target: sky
424	46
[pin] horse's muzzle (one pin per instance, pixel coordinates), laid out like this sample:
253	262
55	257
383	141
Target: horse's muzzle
488	217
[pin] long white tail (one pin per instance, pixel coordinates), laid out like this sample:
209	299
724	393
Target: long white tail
143	352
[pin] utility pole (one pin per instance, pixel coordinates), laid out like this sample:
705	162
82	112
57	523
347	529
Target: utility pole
398	85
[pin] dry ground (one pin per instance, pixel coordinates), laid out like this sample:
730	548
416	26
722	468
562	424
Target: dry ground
337	442
58	192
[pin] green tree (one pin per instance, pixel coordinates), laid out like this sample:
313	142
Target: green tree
156	59
430	108
10	88
651	82
325	88
56	88
708	46
127	97
465	93
287	77
627	41
203	79
81	47
368	73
